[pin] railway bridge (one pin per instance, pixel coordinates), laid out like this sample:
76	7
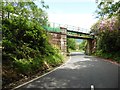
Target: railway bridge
59	34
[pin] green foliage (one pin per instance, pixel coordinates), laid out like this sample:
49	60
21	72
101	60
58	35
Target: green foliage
95	27
71	44
25	42
108	45
54	57
106	8
113	55
82	45
109	41
32	65
28	66
108	30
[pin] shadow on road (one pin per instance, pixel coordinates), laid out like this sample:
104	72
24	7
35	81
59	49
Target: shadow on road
80	72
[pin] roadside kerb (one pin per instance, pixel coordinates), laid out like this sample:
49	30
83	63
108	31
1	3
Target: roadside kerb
41	75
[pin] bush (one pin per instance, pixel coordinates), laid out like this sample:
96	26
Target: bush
71	44
113	55
82	45
29	66
109	41
108	44
25	43
55	58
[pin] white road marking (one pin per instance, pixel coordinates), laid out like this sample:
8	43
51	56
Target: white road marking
92	87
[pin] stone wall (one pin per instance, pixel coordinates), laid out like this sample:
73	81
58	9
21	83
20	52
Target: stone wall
55	39
89	47
59	40
63	44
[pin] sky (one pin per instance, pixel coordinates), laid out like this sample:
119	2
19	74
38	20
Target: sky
79	13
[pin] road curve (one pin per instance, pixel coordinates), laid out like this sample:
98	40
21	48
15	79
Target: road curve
81	71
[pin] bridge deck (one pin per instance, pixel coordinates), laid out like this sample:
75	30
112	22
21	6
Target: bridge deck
72	36
79	37
78	32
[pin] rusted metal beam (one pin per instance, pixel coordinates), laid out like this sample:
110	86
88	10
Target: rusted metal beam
78	32
79	37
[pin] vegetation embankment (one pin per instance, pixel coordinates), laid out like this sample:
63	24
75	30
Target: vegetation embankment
107	30
108	45
26	48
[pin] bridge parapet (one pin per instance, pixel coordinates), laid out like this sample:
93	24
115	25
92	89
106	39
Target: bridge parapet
55	27
63	30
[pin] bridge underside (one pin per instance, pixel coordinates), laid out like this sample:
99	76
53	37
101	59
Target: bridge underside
79	37
89	43
77	32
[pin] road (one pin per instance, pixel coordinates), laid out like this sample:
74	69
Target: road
81	71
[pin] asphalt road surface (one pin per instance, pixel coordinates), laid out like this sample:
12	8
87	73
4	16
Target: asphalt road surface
81	71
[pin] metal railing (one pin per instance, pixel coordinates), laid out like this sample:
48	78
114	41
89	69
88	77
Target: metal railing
56	27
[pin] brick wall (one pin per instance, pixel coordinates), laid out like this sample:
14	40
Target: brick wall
59	40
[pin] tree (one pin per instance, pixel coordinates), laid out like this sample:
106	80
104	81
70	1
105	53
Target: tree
71	44
25	43
108	29
108	9
109	16
82	45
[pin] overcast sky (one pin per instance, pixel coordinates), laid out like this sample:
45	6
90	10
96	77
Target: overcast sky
78	13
